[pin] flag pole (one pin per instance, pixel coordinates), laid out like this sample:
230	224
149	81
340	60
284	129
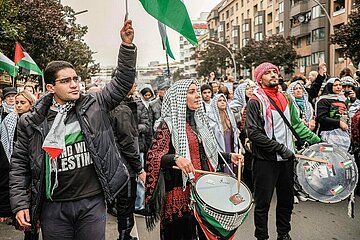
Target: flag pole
167	65
126	10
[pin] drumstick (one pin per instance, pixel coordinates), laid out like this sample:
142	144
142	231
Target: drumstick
311	158
204	172
239	178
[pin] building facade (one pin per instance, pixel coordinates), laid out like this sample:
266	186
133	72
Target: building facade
311	22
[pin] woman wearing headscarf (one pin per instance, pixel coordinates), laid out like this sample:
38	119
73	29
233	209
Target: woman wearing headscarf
301	102
242	95
23	103
223	125
331	114
182	139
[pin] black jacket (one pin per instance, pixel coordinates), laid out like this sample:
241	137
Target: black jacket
27	168
126	137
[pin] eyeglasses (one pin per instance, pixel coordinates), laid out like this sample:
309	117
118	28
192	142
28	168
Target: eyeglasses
67	80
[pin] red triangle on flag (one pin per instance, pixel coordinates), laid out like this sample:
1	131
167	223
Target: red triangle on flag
53	152
322	148
19	53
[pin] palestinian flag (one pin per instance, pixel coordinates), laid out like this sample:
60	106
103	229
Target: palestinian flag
7	65
346	164
337	190
326	148
23	59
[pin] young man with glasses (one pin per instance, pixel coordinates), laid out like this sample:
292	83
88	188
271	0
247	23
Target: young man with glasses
66	153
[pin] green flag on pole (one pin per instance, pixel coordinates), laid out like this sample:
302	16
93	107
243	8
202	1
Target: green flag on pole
165	40
7	65
173	14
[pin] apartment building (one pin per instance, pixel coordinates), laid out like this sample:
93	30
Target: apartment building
188	61
234	22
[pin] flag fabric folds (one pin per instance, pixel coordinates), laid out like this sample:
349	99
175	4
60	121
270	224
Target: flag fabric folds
7	65
165	40
173	14
23	59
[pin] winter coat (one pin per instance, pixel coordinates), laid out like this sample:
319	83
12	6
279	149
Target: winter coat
155	107
263	147
126	137
27	169
144	125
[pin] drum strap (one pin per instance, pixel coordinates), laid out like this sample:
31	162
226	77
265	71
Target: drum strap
299	142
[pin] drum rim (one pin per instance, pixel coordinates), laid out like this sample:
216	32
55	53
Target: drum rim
337	198
198	198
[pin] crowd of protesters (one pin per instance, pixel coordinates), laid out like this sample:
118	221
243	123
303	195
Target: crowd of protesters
67	156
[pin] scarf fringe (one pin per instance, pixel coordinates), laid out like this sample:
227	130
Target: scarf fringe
155	205
54	168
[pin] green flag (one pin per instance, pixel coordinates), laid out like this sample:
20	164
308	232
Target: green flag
173	14
7	65
165	40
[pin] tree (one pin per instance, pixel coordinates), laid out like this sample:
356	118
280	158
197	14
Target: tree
50	32
275	49
348	37
212	59
178	74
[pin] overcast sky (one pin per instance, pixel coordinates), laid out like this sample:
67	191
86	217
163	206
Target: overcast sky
104	20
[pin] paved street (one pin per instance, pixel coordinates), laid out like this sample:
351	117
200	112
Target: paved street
310	220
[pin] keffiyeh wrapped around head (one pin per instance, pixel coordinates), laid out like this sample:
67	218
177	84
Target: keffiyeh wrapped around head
239	99
173	112
307	109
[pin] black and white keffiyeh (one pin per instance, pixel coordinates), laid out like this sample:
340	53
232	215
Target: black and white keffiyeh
173	112
239	99
8	127
308	109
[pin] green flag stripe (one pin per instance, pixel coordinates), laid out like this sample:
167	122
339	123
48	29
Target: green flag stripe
74	137
29	66
168	49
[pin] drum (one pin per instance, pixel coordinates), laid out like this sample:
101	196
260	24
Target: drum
329	182
216	214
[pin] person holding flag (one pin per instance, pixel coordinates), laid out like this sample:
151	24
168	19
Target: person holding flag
66	152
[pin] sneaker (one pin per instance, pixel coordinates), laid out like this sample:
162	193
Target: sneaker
284	237
296	200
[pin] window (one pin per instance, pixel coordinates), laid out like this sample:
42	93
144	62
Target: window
242	17
269	33
281	26
318	34
237	20
245	41
299	43
237	6
234	33
281	7
227	14
242	3
308	40
317	11
269	18
248	13
316	56
261	4
245	27
232	11
258	36
258	20
220	28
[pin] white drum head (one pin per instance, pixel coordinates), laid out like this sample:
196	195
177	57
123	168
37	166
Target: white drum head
215	191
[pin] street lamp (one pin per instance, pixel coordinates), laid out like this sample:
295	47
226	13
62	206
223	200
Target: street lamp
331	33
231	54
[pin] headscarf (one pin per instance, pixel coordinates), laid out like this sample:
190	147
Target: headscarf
239	99
173	112
307	108
328	91
216	121
262	69
143	90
